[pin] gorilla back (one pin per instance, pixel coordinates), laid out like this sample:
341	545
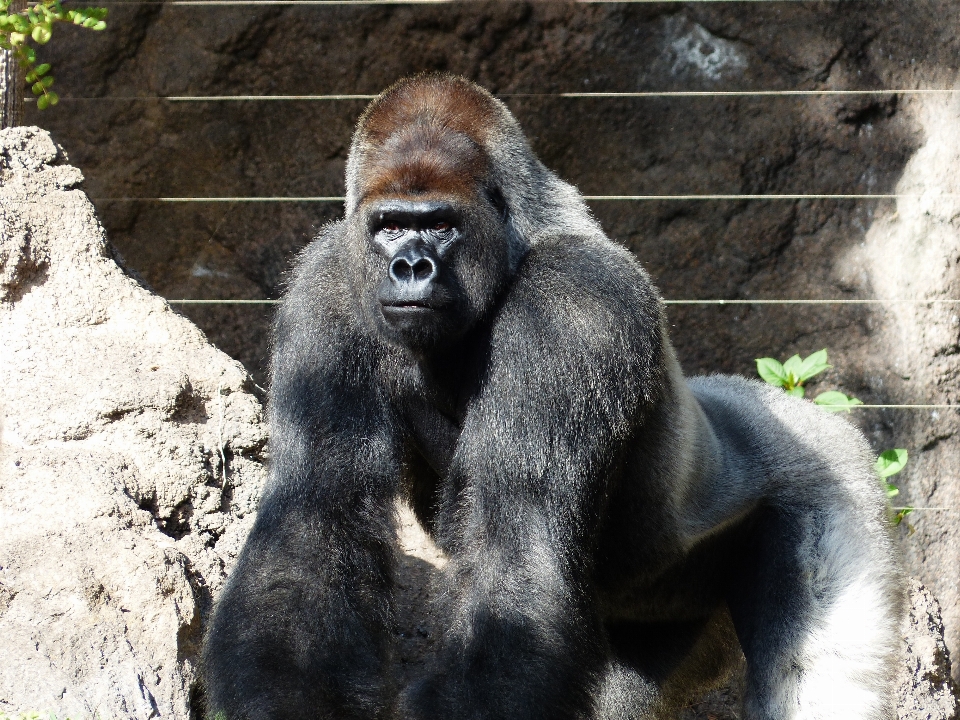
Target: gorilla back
467	339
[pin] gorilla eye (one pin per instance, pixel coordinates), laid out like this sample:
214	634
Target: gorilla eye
441	226
391	227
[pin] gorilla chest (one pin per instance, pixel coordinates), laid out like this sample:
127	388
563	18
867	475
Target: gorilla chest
434	431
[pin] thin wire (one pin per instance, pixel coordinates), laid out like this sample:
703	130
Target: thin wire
807	196
567	95
318	198
214	98
826	301
935	301
223	302
739	93
389	2
593	198
944	509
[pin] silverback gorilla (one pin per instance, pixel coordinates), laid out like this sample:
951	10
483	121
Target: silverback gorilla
467	339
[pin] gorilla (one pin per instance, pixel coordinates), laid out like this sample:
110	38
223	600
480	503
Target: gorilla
619	538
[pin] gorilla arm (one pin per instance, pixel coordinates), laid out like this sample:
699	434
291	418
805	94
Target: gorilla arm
301	630
574	360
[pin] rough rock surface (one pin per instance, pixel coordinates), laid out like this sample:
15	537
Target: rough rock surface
131	460
926	691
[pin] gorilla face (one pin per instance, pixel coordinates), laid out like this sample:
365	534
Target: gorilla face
435	266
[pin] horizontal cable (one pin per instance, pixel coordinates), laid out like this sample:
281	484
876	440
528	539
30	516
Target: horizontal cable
266	199
665	302
223	302
940	509
114	3
570	95
675	302
827	301
592	198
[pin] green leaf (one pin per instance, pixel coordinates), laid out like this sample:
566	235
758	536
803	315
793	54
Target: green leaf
100	25
52	97
796	391
42	34
792	366
834	401
42	70
47	81
37	88
891	462
901	514
43	102
892	490
771	371
813	365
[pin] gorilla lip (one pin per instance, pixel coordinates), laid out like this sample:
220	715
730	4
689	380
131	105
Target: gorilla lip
405	308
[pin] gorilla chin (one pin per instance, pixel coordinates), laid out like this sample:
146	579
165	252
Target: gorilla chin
620	538
422	329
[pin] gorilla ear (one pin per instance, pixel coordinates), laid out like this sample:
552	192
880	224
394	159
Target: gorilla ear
499	202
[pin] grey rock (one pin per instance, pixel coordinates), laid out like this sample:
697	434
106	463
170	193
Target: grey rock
925	689
118	519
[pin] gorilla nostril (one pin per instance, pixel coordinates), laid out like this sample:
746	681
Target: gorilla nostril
412	269
401	270
423	269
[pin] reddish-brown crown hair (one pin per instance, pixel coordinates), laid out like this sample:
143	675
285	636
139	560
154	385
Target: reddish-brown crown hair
425	136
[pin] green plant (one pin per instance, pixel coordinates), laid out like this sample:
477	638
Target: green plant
791	376
35	23
889	464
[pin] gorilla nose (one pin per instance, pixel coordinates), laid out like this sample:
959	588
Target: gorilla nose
413	268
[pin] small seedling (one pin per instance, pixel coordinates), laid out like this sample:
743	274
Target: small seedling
792	375
888	464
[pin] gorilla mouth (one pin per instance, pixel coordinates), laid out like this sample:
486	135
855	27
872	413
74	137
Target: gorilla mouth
399	311
409	305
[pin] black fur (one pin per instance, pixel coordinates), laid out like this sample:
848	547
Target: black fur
614	535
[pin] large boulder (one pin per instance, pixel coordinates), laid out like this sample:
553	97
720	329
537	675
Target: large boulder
131	461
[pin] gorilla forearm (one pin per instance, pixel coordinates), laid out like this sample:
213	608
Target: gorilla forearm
300	629
326	655
522	637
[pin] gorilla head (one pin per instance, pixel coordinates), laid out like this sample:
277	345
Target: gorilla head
427	213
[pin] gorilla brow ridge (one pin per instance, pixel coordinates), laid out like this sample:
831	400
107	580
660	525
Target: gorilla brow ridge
424	158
